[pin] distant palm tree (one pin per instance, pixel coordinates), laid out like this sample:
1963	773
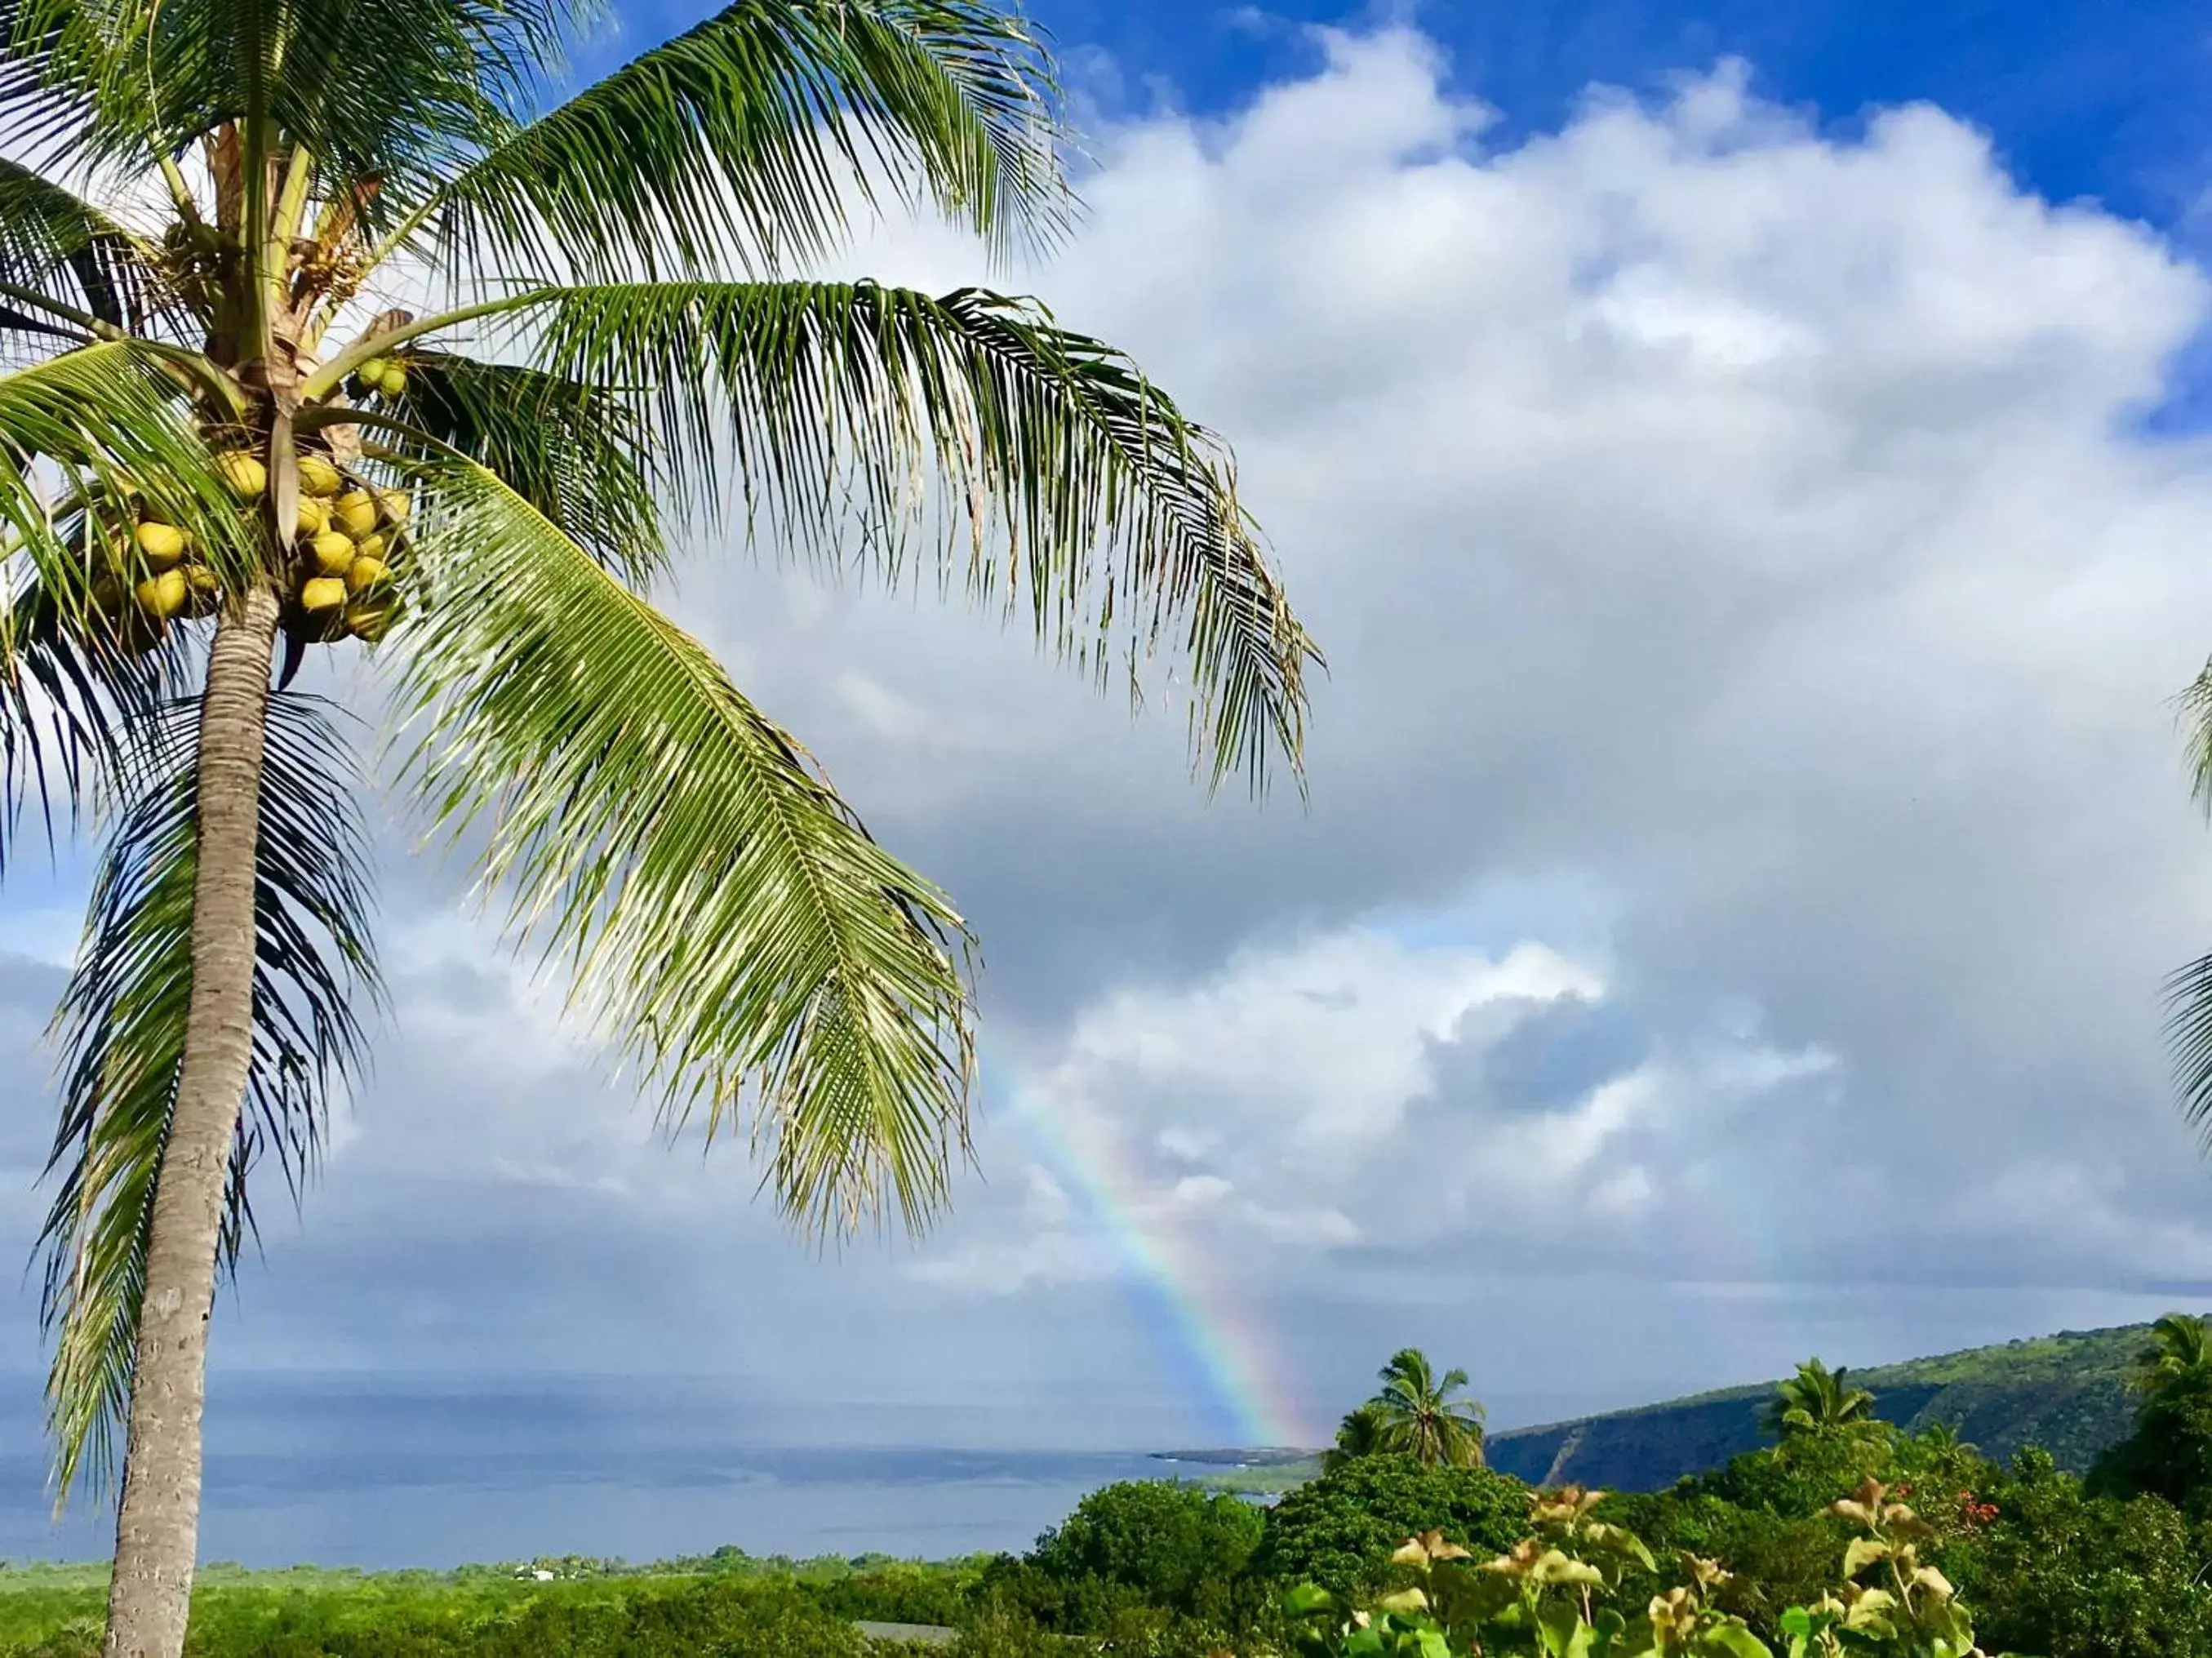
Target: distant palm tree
1360	1434
1415	1414
1942	1438
2180	1348
1815	1400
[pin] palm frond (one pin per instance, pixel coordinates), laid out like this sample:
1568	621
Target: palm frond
732	927
68	704
406	90
112	422
1056	475
572	451
52	239
2188	992
121	1029
736	143
83	437
2189	1035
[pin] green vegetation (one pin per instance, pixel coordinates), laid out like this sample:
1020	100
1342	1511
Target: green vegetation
1844	1537
2069	1394
1816	1401
1415	1414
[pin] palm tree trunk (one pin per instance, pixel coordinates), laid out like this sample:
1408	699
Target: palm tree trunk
157	1521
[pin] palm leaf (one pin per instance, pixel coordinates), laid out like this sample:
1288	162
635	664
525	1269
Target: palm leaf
573	452
99	423
121	1028
2189	991
731	926
54	241
407	90
1045	460
739	141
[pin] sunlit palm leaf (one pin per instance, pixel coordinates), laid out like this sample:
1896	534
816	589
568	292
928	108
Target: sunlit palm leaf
735	143
404	89
1046	461
719	910
121	1027
112	422
84	429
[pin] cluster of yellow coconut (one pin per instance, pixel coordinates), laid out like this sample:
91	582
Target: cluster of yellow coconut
379	376
340	583
349	538
175	583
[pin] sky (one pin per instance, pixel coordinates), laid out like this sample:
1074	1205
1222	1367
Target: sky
1743	464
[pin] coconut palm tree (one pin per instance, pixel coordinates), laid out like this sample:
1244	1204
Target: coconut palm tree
1416	1413
2179	1350
1816	1401
330	323
1360	1434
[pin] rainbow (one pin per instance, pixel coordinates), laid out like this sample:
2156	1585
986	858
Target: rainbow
1214	1344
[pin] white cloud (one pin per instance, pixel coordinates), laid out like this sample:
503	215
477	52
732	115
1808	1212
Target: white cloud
1732	531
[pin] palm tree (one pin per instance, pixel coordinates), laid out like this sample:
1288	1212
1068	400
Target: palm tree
1360	1434
2181	1350
1943	1440
223	434
1816	1401
1415	1414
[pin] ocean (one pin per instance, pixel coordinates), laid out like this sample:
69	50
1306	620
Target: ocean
390	1472
379	1511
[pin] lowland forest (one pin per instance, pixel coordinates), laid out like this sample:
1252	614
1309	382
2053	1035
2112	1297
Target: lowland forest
1915	1511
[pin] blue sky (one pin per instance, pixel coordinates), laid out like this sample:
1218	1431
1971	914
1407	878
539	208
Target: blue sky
1746	813
2085	99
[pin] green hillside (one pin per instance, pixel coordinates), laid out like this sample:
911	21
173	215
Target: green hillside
2067	1393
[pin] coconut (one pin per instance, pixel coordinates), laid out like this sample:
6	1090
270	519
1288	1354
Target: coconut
355	512
318	477
314	518
367	573
313	628
163	595
369	620
373	545
393	381
247	476
163	544
334	552
395	504
323	593
204	590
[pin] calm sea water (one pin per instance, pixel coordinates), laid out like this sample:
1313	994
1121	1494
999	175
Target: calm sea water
382	1508
383	1471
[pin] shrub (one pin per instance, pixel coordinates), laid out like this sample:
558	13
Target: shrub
2169	1454
1179	1546
2065	1575
1338	1531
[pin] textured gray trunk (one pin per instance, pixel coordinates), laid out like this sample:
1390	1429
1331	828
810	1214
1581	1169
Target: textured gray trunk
157	1521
